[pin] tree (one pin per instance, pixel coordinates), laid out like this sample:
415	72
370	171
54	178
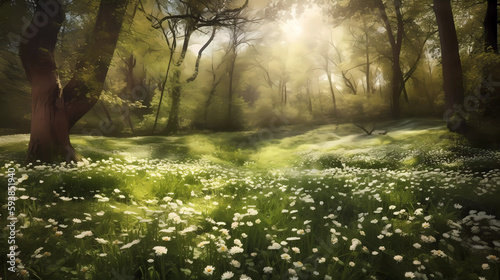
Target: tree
364	42
276	74
184	18
396	42
349	81
396	27
452	66
490	26
216	79
325	66
238	36
55	109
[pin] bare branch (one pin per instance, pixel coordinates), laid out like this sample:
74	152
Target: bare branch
200	52
364	127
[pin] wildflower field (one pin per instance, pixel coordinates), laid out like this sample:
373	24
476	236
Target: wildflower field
321	203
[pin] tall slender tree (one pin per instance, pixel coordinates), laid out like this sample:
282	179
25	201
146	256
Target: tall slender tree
183	19
396	42
491	26
395	31
452	66
237	37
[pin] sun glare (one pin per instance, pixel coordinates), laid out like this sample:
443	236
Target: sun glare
293	29
305	25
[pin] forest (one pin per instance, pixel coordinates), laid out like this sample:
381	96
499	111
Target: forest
250	139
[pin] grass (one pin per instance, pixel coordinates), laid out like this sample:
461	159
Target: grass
308	203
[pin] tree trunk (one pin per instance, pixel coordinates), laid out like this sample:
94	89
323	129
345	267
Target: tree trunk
230	92
49	126
333	94
452	67
397	77
396	44
54	109
367	50
309	102
163	86
172	47
82	92
490	27
173	117
108	116
285	93
173	125
211	94
430	93
127	93
207	106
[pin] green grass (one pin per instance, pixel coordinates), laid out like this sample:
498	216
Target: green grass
242	202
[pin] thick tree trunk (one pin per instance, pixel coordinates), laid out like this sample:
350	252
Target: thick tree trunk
397	77
49	137
54	109
452	66
490	27
49	126
82	92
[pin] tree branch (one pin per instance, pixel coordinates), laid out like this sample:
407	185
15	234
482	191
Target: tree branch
200	52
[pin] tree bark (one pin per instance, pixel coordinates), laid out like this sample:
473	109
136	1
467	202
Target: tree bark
452	66
49	126
173	117
163	86
490	27
235	41
397	83
173	125
330	82
230	93
286	94
172	47
309	101
211	94
127	92
55	109
84	89
367	53
332	92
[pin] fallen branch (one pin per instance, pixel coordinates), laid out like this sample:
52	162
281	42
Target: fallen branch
364	127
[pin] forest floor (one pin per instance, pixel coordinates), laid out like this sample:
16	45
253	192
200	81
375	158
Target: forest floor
325	202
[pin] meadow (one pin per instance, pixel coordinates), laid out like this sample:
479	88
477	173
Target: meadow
327	202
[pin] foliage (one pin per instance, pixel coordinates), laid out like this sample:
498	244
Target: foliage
280	67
